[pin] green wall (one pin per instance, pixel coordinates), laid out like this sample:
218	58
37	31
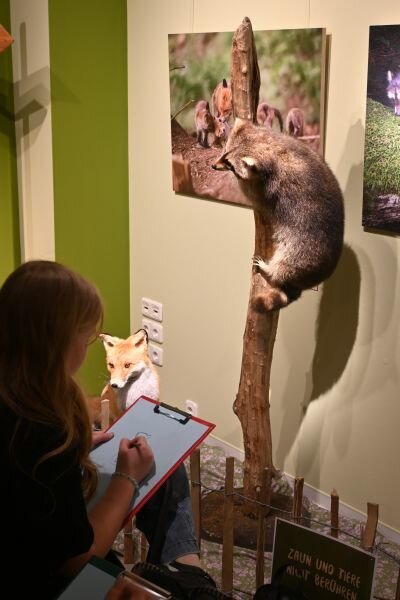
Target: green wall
10	256
88	64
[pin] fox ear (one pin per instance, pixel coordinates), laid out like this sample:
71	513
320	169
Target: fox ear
140	337
108	340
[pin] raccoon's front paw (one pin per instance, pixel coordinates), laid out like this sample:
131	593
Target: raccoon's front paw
260	263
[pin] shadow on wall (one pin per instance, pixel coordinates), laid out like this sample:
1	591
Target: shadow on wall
336	329
336	325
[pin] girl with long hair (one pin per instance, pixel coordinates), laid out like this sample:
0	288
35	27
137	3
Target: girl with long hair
48	317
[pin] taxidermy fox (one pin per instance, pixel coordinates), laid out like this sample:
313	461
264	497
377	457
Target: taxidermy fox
132	373
292	186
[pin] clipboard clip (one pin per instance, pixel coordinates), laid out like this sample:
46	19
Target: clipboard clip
186	418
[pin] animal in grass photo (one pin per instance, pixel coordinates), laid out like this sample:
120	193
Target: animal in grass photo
393	91
204	122
132	374
221	101
295	122
268	115
300	198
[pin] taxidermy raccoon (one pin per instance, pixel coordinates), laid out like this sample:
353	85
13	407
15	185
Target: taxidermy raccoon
301	199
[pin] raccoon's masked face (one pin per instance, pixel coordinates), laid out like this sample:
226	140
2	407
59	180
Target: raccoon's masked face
244	168
238	156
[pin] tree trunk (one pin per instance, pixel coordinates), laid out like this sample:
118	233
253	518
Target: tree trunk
252	400
245	75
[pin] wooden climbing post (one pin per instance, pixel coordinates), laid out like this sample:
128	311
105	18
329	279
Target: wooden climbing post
252	400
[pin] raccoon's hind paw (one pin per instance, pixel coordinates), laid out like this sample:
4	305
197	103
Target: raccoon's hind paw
273	299
260	264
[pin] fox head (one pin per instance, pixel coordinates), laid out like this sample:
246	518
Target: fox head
223	99
126	358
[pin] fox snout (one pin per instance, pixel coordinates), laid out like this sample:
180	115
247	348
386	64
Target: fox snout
119	384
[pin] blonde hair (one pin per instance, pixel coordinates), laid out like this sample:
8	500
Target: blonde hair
43	307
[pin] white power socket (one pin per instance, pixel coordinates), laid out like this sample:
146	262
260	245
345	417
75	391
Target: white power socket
192	408
152	309
154	330
156	354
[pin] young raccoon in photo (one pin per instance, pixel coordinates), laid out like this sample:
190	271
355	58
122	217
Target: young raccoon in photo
295	122
267	115
300	197
204	122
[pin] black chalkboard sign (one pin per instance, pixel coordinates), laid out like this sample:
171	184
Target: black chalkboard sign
319	566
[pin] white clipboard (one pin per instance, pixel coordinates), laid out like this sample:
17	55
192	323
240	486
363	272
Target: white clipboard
171	433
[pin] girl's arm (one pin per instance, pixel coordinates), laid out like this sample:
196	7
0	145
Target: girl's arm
135	459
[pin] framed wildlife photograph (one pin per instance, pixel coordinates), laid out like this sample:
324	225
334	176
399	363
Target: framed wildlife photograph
292	90
381	193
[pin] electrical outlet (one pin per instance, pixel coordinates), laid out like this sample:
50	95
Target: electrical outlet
192	407
154	330
156	354
152	309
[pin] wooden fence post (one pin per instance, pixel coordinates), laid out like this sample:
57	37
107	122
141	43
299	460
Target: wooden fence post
143	547
298	498
334	514
227	540
105	414
398	588
129	550
262	511
195	483
368	532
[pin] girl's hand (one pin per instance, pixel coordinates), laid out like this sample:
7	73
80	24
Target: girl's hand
99	437
135	457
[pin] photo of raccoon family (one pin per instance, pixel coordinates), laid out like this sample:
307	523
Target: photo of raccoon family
381	193
291	64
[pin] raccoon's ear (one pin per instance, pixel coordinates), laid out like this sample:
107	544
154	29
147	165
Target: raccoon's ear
108	340
250	164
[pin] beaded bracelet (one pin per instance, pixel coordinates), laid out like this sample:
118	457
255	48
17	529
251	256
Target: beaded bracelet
128	477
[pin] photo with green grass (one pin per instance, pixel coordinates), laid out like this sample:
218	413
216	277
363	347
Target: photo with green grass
292	69
381	194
